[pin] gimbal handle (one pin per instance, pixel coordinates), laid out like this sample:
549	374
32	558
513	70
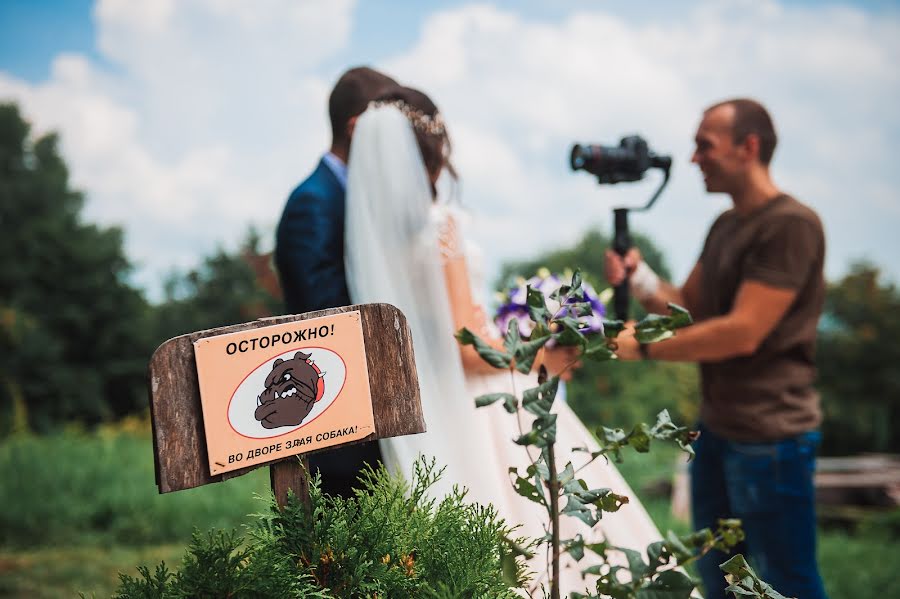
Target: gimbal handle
621	245
622	240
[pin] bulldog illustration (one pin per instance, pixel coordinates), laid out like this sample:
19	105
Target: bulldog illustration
292	388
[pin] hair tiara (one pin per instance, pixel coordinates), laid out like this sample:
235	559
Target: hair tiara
424	123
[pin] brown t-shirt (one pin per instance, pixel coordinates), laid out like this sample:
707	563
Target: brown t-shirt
768	395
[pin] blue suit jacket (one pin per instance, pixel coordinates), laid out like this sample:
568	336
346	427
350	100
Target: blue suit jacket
309	256
309	246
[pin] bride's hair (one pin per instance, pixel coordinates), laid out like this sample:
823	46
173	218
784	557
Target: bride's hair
428	125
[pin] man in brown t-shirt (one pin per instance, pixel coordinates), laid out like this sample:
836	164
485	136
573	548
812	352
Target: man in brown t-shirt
756	294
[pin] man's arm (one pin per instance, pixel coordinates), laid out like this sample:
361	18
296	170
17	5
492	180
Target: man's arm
653	293
758	307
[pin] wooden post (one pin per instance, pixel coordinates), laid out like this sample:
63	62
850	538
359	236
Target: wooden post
179	442
290	474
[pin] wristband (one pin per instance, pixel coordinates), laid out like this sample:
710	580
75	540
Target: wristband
644	282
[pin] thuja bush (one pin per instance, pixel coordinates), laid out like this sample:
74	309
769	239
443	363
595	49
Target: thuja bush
392	539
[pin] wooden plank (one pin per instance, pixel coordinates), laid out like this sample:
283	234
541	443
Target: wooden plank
178	433
290	474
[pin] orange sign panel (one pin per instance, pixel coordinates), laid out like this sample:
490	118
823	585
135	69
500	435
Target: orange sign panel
277	391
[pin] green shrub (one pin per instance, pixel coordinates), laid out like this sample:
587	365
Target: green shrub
390	540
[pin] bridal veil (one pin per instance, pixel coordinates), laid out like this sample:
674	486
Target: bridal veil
393	255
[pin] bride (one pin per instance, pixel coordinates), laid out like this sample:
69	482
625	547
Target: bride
404	247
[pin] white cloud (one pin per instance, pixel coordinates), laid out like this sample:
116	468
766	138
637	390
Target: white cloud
204	113
517	92
205	116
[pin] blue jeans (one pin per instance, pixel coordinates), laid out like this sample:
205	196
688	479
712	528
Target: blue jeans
769	486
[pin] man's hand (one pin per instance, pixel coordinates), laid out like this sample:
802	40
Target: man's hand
629	349
562	361
619	267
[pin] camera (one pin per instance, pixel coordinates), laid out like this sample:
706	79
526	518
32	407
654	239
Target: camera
617	164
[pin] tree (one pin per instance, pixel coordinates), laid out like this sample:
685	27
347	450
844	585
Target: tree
858	358
73	334
227	288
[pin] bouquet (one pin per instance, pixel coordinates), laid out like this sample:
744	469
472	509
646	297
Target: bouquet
513	303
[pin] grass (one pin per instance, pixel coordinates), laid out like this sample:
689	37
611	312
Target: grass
80	508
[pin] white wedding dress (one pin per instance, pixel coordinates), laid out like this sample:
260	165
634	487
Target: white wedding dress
396	241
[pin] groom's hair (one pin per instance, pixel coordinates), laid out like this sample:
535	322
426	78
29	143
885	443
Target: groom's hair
351	95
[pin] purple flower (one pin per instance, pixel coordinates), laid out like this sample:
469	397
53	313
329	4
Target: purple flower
513	304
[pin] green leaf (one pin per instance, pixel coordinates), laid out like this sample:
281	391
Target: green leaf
658	554
508	568
571	332
538	400
574	547
526	489
577	509
680	316
512	339
670	584
492	356
612	328
639	438
598	351
677	547
653	335
486	400
636	564
611	502
526	352
537	306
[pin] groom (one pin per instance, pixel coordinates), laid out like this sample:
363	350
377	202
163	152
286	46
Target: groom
309	248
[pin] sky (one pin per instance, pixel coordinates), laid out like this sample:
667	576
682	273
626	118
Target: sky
185	122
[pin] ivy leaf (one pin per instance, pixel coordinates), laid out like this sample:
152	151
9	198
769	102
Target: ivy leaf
526	352
680	316
508	567
577	509
537	306
571	332
538	400
744	581
576	280
486	400
567	475
542	433
652	335
639	438
492	356
611	502
677	547
512	339
612	328
636	564
658	554
670	584
598	351
527	489
574	547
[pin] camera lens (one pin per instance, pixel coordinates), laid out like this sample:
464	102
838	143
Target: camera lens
579	157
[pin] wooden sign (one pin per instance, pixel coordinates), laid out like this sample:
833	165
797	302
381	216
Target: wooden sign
225	401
